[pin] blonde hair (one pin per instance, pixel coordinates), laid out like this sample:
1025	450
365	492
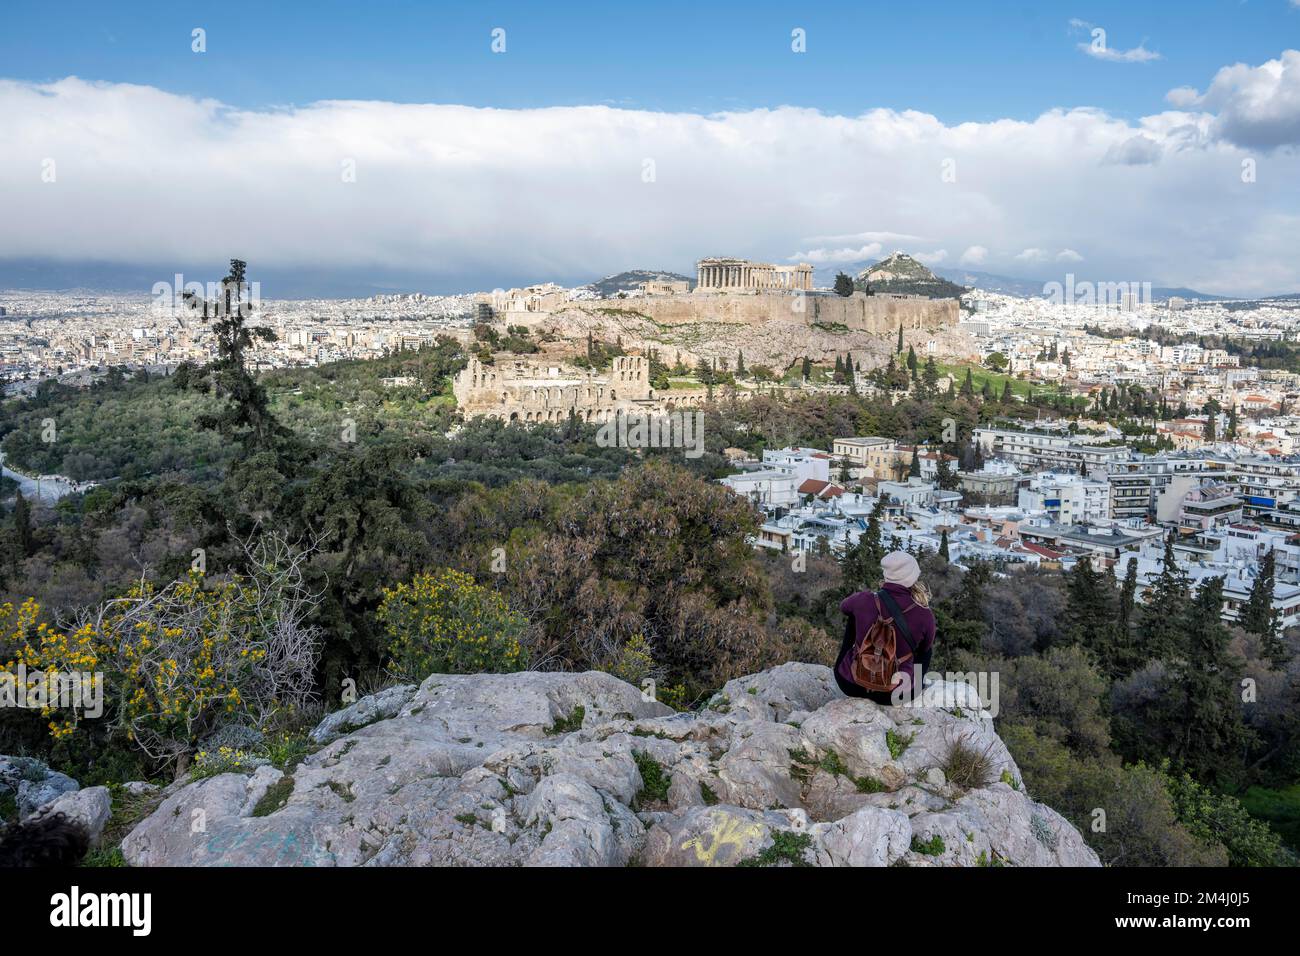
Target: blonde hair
920	593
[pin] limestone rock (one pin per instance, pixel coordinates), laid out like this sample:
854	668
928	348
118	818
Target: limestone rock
32	783
91	807
367	710
549	769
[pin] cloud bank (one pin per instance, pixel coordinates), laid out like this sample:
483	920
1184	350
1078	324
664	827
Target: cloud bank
136	174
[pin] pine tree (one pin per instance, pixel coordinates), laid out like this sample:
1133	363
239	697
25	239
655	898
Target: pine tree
1090	605
1258	614
965	627
861	561
1206	733
930	376
1117	652
1165	604
943	475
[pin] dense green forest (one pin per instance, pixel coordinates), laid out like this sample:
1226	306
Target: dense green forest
635	563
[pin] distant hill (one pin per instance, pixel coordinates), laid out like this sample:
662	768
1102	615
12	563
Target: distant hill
1029	288
900	274
630	281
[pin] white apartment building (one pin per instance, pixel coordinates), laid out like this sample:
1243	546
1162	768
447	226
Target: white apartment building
768	489
1037	450
1066	498
805	463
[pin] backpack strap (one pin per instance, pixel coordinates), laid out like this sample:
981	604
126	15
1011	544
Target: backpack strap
900	621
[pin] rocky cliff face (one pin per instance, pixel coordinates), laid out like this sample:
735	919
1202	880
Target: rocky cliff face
726	325
579	770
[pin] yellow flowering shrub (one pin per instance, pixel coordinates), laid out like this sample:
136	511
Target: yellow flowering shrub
634	662
446	623
178	662
35	654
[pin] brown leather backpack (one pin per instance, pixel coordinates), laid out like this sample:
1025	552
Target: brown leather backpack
875	660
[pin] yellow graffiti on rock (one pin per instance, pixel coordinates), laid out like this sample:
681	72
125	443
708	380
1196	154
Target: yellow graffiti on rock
727	831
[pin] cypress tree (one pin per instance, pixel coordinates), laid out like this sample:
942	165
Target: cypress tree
22	525
1128	594
943	546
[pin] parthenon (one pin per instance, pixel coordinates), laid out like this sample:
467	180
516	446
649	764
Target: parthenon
741	275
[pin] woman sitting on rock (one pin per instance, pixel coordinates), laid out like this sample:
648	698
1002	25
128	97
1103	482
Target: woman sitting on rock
877	661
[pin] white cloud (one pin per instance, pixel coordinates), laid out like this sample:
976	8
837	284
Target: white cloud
1031	255
931	258
1099	48
1253	106
820	257
1139	150
146	176
1138	54
869	237
1068	255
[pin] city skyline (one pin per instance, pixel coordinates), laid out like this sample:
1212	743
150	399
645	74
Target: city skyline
1145	153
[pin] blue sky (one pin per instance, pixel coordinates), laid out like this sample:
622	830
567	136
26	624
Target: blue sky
957	59
384	146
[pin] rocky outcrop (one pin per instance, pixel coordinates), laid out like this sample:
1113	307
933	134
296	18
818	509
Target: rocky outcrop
91	807
32	784
717	327
544	769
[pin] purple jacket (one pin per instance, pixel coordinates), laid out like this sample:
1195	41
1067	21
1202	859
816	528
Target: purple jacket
920	620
